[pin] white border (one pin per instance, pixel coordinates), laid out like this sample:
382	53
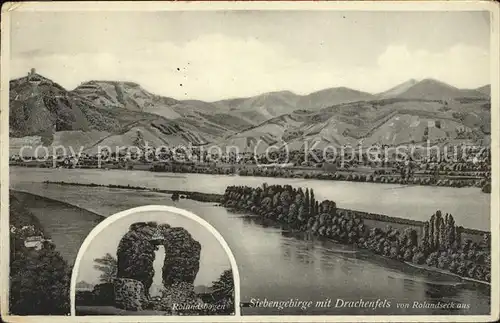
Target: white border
489	6
193	5
155	208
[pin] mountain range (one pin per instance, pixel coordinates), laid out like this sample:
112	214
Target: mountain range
117	113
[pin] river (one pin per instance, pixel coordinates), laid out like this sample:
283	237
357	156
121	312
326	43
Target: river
276	265
469	206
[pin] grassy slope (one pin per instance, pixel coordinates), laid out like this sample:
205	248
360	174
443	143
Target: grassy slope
392	122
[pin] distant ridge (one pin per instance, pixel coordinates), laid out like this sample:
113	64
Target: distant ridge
400	115
486	89
332	96
431	89
398	89
119	113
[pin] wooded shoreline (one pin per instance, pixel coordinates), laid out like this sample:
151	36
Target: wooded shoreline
441	244
218	198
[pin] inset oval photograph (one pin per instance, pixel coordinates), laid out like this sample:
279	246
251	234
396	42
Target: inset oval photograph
154	260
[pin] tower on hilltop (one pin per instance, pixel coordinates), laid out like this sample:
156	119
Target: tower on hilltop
34	78
31	73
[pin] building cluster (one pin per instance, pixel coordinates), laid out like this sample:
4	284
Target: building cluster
33	239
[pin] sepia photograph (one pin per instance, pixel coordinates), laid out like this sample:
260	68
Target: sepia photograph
154	263
347	155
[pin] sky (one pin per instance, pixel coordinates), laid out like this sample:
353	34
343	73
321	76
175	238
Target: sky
212	55
213	258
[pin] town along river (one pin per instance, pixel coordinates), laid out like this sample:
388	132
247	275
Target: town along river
275	264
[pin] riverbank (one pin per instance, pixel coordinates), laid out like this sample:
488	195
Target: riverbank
432	275
196	196
67	225
378	220
367	197
39	274
480	179
446	272
440	244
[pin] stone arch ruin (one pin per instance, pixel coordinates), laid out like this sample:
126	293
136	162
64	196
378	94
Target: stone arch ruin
135	256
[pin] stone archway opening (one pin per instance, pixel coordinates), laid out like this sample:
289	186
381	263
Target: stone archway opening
138	252
156	287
